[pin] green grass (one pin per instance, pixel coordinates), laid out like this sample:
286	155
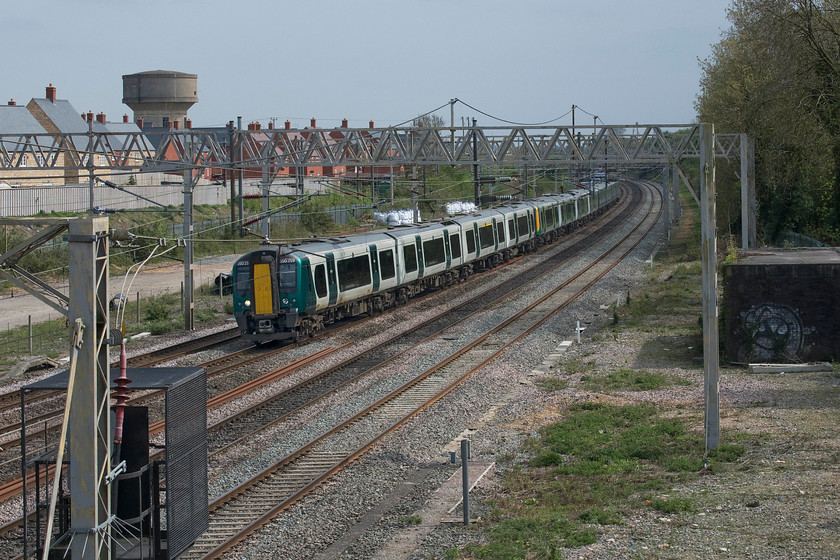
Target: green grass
590	470
603	462
551	384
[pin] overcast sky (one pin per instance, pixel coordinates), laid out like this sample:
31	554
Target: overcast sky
527	61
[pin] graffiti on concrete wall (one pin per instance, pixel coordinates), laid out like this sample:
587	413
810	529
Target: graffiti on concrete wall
770	331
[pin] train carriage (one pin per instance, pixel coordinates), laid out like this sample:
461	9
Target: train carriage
291	291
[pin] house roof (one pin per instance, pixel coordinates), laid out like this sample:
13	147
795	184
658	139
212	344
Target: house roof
63	115
17	120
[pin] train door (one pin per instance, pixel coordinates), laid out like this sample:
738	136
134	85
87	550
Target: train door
420	261
262	289
374	265
332	281
446	249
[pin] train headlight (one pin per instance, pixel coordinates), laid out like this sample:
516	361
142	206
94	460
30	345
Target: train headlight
285	301
247	303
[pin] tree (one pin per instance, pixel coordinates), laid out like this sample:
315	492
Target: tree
774	75
428	121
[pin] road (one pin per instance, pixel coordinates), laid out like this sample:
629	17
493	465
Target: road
15	311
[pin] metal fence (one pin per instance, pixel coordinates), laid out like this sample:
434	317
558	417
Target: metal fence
30	201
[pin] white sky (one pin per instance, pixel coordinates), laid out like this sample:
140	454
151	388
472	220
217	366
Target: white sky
528	61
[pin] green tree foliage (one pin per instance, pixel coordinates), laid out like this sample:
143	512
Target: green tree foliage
775	75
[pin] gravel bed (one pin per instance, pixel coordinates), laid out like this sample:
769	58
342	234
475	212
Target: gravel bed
309	527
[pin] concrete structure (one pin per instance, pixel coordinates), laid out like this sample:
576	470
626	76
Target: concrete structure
781	306
160	97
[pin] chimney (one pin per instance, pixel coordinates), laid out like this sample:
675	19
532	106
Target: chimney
100	118
251	125
343	123
187	123
89	116
125	117
140	123
371	124
257	126
288	125
175	124
51	93
169	125
270	125
12	103
312	123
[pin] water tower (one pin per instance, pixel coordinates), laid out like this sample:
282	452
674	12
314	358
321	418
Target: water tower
160	97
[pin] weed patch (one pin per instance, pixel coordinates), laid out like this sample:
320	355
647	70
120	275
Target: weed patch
551	384
587	471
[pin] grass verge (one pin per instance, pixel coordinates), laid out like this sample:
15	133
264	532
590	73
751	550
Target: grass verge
607	459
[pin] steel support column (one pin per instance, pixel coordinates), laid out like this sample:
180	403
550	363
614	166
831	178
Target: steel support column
189	306
89	418
711	380
748	239
675	169
666	202
266	201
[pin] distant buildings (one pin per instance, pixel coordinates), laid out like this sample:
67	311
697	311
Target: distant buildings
160	100
50	115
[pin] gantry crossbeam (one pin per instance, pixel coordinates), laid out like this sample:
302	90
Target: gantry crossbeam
540	146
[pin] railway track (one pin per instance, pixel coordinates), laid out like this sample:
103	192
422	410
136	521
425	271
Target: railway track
223	437
245	509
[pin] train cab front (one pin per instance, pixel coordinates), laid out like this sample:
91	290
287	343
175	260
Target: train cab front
265	295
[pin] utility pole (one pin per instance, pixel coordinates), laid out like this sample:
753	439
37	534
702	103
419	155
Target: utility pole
416	212
574	152
189	182
231	174
711	373
89	166
475	165
239	175
452	123
747	192
666	201
266	199
89	425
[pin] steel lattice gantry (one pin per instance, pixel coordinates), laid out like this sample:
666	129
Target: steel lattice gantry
545	146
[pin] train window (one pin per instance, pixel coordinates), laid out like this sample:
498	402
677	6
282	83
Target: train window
243	280
321	280
568	212
410	258
287	277
511	229
485	236
386	264
433	252
455	245
500	231
549	217
523	225
353	272
470	241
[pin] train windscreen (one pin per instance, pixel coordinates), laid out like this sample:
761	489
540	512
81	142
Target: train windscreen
287	277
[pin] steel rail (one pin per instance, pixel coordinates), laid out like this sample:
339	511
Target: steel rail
220	538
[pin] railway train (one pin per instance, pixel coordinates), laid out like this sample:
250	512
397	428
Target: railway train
283	292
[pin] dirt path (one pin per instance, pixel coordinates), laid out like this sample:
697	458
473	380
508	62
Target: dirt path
15	311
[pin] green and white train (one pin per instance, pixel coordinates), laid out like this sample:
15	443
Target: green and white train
285	292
